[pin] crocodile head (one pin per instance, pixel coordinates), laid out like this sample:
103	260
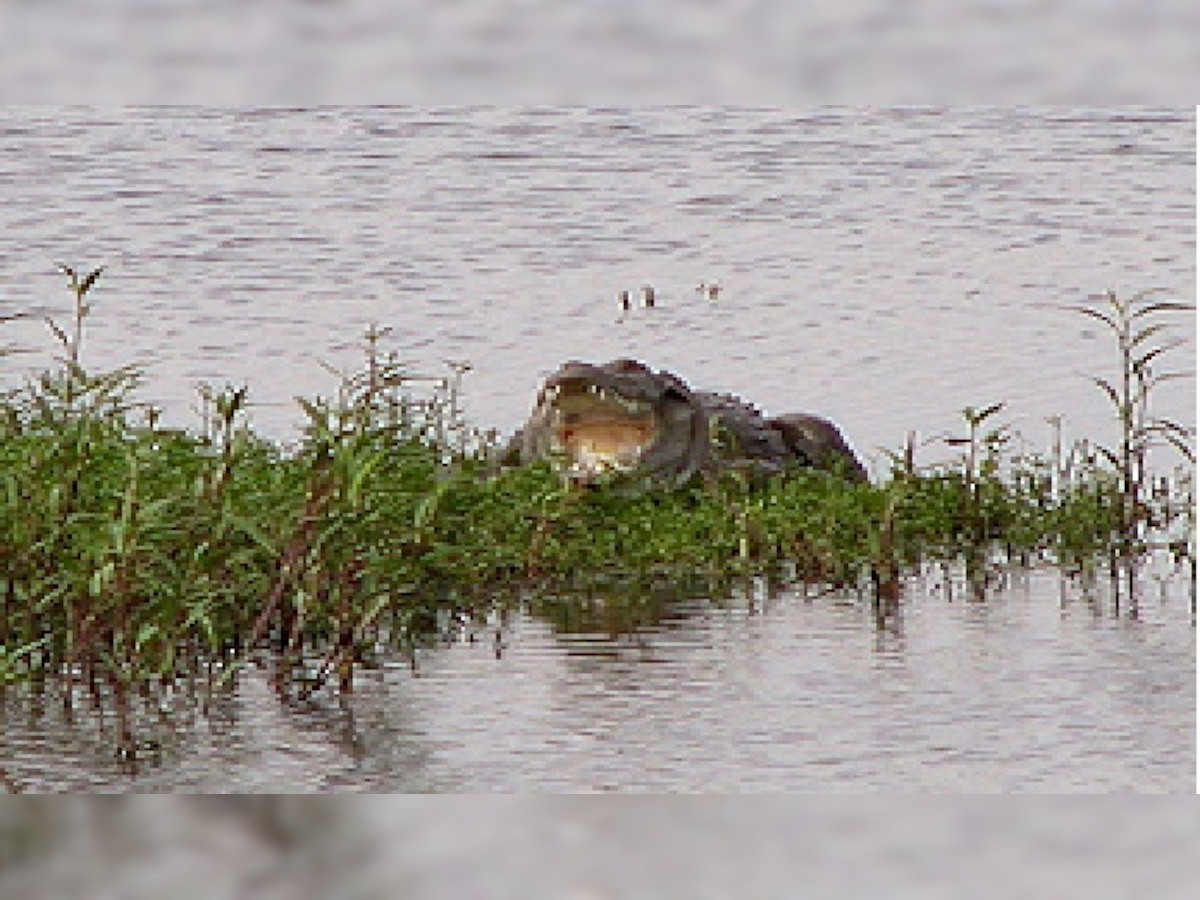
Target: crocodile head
615	418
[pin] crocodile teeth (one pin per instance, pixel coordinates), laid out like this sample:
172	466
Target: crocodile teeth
552	395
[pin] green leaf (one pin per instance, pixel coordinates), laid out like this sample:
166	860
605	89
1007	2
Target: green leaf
1165	306
10	658
58	332
1095	314
148	632
1147	332
1167	376
428	506
251	530
361	473
1109	390
1182	446
987	411
1172	426
90	280
1159	350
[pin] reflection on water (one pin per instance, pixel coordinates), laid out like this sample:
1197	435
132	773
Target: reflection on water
764	691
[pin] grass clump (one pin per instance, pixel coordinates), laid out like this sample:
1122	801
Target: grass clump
134	556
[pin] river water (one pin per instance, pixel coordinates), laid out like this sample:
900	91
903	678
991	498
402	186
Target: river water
883	267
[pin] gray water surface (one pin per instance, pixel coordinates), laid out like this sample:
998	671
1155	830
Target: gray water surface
886	268
883	267
759	693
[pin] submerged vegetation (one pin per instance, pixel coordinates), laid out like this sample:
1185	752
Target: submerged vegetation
135	557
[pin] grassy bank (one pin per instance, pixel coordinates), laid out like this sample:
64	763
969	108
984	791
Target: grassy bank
133	555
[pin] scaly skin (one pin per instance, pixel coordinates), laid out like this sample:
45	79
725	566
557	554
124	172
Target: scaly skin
623	417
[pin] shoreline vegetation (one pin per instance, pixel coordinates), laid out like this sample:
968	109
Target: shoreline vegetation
138	561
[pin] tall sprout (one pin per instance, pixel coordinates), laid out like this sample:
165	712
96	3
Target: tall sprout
1138	326
72	343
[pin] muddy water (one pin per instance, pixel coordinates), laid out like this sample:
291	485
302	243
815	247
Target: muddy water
1037	689
885	268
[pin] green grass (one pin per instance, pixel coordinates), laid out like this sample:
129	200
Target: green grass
134	556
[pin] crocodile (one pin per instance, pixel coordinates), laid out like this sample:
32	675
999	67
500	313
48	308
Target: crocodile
595	421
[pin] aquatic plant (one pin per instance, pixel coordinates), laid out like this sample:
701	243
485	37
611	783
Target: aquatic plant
1139	331
138	560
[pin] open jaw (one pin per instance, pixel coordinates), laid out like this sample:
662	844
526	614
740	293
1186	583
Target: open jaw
595	430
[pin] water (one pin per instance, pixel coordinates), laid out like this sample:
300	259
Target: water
884	268
1036	689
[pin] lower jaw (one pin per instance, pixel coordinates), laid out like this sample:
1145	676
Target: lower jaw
596	469
592	472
